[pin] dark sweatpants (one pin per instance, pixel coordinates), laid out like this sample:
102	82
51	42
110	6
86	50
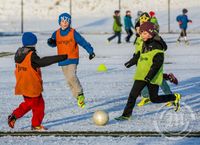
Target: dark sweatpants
129	34
117	34
153	93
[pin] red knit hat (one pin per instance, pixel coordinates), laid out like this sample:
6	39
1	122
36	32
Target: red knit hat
149	27
152	13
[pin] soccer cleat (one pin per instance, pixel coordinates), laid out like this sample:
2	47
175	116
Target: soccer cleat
11	120
143	102
80	101
178	41
187	42
38	128
177	102
122	118
168	104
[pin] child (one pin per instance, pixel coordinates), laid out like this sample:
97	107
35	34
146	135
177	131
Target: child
153	19
29	81
149	72
128	25
144	17
116	27
67	40
183	21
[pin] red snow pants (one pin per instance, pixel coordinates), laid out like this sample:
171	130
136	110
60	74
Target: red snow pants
35	104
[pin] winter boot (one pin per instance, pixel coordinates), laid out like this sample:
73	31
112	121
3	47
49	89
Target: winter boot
11	120
81	101
122	118
177	102
38	128
143	102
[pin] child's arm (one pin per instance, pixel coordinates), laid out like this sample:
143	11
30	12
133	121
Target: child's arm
133	60
52	41
82	42
36	61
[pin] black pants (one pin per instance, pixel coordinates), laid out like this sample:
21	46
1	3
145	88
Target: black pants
153	92
183	33
115	35
129	34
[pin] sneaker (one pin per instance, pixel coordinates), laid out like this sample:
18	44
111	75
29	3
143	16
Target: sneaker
122	118
38	128
187	42
80	101
143	102
177	102
178	41
168	104
11	120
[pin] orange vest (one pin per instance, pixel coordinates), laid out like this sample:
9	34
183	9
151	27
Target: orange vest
67	44
28	80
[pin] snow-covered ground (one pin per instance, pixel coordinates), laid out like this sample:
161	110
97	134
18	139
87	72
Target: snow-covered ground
91	16
106	91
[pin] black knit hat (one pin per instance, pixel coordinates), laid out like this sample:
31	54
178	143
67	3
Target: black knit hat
117	11
149	27
185	11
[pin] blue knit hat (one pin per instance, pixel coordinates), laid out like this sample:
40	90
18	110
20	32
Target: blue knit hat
29	38
66	17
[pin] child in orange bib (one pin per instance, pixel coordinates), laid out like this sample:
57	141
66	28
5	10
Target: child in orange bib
67	39
29	81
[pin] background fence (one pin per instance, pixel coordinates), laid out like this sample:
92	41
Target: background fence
91	16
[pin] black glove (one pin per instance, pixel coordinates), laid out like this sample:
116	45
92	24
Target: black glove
128	64
91	56
147	79
51	42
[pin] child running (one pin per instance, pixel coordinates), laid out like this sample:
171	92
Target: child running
67	39
149	72
29	81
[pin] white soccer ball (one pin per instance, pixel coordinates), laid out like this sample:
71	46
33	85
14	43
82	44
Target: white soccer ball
100	117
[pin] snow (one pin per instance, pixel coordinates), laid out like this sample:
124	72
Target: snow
90	15
96	141
104	91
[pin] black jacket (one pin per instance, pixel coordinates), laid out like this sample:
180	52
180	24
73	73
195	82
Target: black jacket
155	43
36	61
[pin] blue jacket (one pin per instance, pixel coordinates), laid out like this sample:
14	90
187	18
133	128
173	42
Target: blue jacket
184	19
79	40
127	22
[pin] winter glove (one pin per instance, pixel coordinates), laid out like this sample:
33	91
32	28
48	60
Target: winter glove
51	42
91	56
128	64
190	21
171	78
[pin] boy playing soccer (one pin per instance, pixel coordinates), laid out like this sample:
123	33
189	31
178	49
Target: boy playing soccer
29	81
67	39
149	72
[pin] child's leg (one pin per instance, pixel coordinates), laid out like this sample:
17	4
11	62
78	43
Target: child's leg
145	92
153	92
165	87
135	91
23	108
112	37
38	107
72	79
119	37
